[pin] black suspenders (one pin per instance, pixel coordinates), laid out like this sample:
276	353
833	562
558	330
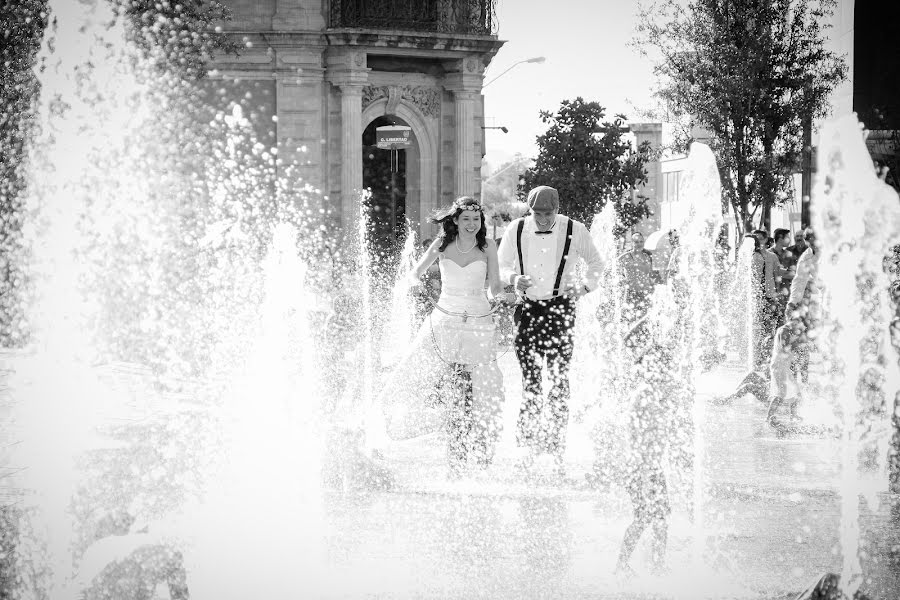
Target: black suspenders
562	261
519	245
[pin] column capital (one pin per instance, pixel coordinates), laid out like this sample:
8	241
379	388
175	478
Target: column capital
350	89
348	80
346	67
464	85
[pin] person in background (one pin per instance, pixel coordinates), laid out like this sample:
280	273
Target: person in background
650	409
497	227
799	246
674	256
638	277
803	302
783	388
788	263
766	273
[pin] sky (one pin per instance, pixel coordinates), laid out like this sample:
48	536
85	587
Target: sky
585	43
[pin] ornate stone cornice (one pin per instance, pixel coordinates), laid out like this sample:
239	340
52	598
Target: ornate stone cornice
426	99
432	45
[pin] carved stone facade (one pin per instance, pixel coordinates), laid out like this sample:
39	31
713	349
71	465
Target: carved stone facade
325	83
426	99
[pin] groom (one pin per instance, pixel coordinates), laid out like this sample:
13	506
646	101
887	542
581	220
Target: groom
538	255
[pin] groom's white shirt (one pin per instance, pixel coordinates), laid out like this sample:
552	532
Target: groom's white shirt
541	255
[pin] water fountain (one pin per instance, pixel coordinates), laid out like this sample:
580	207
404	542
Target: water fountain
695	295
858	218
600	315
179	351
187	411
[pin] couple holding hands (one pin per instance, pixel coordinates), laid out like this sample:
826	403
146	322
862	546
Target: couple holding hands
538	257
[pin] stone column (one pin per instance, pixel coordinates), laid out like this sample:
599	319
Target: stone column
347	70
465	142
466	88
351	154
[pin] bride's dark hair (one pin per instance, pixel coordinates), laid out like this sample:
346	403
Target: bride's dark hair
449	229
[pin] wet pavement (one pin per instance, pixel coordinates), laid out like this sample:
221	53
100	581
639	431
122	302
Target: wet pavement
770	521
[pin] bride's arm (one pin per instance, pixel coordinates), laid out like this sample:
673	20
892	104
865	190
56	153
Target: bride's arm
493	269
427	259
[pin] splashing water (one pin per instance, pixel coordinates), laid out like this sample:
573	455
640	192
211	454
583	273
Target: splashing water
402	320
262	514
182	392
695	293
213	443
69	154
857	217
743	304
598	335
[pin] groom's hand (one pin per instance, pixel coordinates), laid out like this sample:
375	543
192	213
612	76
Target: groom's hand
575	291
522	282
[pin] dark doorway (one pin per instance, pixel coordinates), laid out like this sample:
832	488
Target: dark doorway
387	206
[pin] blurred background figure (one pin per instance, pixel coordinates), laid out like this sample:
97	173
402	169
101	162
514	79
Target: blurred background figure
638	278
497	226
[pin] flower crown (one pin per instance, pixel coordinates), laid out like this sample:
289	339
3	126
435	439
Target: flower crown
468	205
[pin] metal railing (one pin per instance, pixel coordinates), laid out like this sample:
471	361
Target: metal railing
475	17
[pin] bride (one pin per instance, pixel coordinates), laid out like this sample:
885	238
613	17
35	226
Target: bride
454	351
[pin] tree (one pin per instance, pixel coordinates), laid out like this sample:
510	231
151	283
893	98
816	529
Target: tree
22	24
752	72
178	36
588	163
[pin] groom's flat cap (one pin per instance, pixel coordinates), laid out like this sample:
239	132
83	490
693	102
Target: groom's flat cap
543	197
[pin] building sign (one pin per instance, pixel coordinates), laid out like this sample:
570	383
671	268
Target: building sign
393	137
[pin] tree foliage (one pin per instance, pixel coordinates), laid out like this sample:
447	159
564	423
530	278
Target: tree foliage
180	36
177	38
589	163
22	24
752	72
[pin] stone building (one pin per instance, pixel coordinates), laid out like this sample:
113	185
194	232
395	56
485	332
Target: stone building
318	76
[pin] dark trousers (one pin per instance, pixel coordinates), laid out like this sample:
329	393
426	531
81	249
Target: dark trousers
764	325
544	340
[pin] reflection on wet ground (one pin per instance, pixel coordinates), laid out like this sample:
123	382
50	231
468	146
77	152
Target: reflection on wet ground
771	517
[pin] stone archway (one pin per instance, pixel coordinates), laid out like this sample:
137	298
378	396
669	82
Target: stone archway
421	160
385	174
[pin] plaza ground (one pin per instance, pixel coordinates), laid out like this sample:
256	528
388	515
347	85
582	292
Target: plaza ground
770	520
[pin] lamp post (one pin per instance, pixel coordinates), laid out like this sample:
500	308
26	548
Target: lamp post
536	59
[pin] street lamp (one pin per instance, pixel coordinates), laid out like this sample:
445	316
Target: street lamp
536	59
501	128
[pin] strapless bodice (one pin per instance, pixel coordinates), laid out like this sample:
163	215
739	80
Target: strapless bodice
462	281
467	340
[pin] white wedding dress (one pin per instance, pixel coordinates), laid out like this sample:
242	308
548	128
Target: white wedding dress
442	341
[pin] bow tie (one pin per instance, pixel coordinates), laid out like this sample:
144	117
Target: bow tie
548	232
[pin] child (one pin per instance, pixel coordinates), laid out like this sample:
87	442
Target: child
782	378
645	482
642	472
